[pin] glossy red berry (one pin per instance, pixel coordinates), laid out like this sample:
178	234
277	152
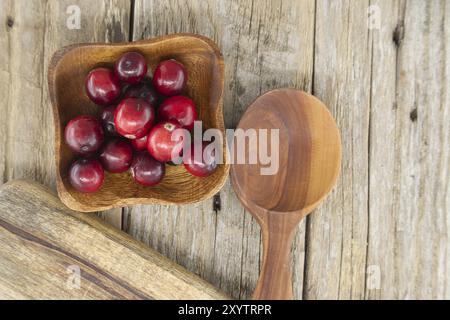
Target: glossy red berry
201	165
102	86
134	118
170	77
143	91
107	117
116	156
178	108
146	170
86	175
140	144
160	144
84	134
131	67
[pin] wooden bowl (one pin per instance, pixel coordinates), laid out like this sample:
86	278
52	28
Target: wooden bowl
67	71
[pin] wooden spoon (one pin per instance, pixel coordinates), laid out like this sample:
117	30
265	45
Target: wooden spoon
309	164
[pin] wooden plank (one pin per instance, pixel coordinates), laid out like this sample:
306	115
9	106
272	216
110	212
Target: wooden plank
383	140
409	152
109	22
7	23
50	252
337	231
185	234
39	29
22	48
262	50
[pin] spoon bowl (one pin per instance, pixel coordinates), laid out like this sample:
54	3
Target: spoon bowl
303	133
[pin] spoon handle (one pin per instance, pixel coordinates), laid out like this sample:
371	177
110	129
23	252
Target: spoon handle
275	279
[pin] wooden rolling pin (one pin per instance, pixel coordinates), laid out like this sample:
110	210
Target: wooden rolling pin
50	252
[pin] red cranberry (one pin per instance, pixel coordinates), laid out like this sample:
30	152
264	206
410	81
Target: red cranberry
180	109
143	91
116	156
170	77
140	144
146	170
102	86
204	164
84	134
108	120
131	67
134	118
86	175
160	144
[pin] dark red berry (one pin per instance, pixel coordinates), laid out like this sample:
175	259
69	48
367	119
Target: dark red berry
86	175
170	77
131	67
102	86
146	170
143	91
140	144
202	164
116	156
84	134
134	118
160	144
107	117
180	109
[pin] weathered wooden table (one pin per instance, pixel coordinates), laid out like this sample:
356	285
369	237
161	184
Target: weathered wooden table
381	66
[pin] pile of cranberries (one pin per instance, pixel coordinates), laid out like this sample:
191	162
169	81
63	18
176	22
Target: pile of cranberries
139	115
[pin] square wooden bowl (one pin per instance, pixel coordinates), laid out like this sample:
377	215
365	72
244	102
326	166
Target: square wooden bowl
67	71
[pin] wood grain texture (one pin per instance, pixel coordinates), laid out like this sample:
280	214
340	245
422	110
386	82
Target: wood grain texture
44	247
409	152
383	219
262	50
25	152
337	231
